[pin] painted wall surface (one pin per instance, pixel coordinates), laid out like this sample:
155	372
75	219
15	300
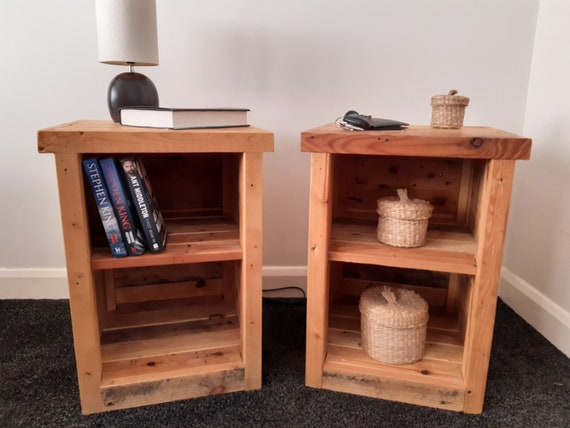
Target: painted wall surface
537	253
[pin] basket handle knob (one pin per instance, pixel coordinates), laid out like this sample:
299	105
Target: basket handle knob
403	195
453	92
389	295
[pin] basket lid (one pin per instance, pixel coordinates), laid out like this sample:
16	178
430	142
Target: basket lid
394	307
450	99
404	207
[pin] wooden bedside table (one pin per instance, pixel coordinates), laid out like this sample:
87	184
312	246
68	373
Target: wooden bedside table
467	175
186	322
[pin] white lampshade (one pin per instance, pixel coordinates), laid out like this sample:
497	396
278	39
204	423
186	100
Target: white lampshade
126	32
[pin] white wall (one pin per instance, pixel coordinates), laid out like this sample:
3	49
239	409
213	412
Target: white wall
536	272
296	64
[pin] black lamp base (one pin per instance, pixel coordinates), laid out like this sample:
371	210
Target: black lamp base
130	89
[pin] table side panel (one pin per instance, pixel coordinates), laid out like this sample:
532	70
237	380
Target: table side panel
320	208
82	283
490	236
250	311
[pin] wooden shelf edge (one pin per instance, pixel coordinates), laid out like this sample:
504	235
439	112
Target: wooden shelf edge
171	366
406	383
174	254
190	240
343	379
452	252
218	380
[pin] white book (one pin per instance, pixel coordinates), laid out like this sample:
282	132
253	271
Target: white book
183	118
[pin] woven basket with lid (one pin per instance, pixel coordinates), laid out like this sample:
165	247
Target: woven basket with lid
448	110
393	323
403	222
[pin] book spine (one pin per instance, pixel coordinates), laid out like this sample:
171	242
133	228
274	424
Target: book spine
149	215
105	207
126	216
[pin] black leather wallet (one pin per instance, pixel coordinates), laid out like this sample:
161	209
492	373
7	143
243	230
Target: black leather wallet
354	120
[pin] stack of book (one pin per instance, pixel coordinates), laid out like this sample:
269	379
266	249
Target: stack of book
130	215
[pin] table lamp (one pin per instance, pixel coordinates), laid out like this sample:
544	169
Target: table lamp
127	35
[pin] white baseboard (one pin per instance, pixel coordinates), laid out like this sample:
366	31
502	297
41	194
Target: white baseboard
545	315
52	283
33	283
284	281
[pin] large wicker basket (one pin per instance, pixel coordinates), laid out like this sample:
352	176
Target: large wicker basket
393	322
403	222
448	110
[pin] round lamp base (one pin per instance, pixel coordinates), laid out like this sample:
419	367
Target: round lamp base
129	90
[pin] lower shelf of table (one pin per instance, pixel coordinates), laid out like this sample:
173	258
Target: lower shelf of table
153	359
435	381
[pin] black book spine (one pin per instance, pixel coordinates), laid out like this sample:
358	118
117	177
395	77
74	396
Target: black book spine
146	207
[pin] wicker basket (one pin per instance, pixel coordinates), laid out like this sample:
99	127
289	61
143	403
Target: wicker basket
393	323
448	110
402	222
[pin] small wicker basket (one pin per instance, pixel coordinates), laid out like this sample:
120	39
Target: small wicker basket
403	222
448	110
393	324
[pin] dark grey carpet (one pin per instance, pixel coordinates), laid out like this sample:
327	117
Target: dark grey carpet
528	382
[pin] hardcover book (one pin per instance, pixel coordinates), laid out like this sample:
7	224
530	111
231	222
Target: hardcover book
147	209
184	118
124	210
105	207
